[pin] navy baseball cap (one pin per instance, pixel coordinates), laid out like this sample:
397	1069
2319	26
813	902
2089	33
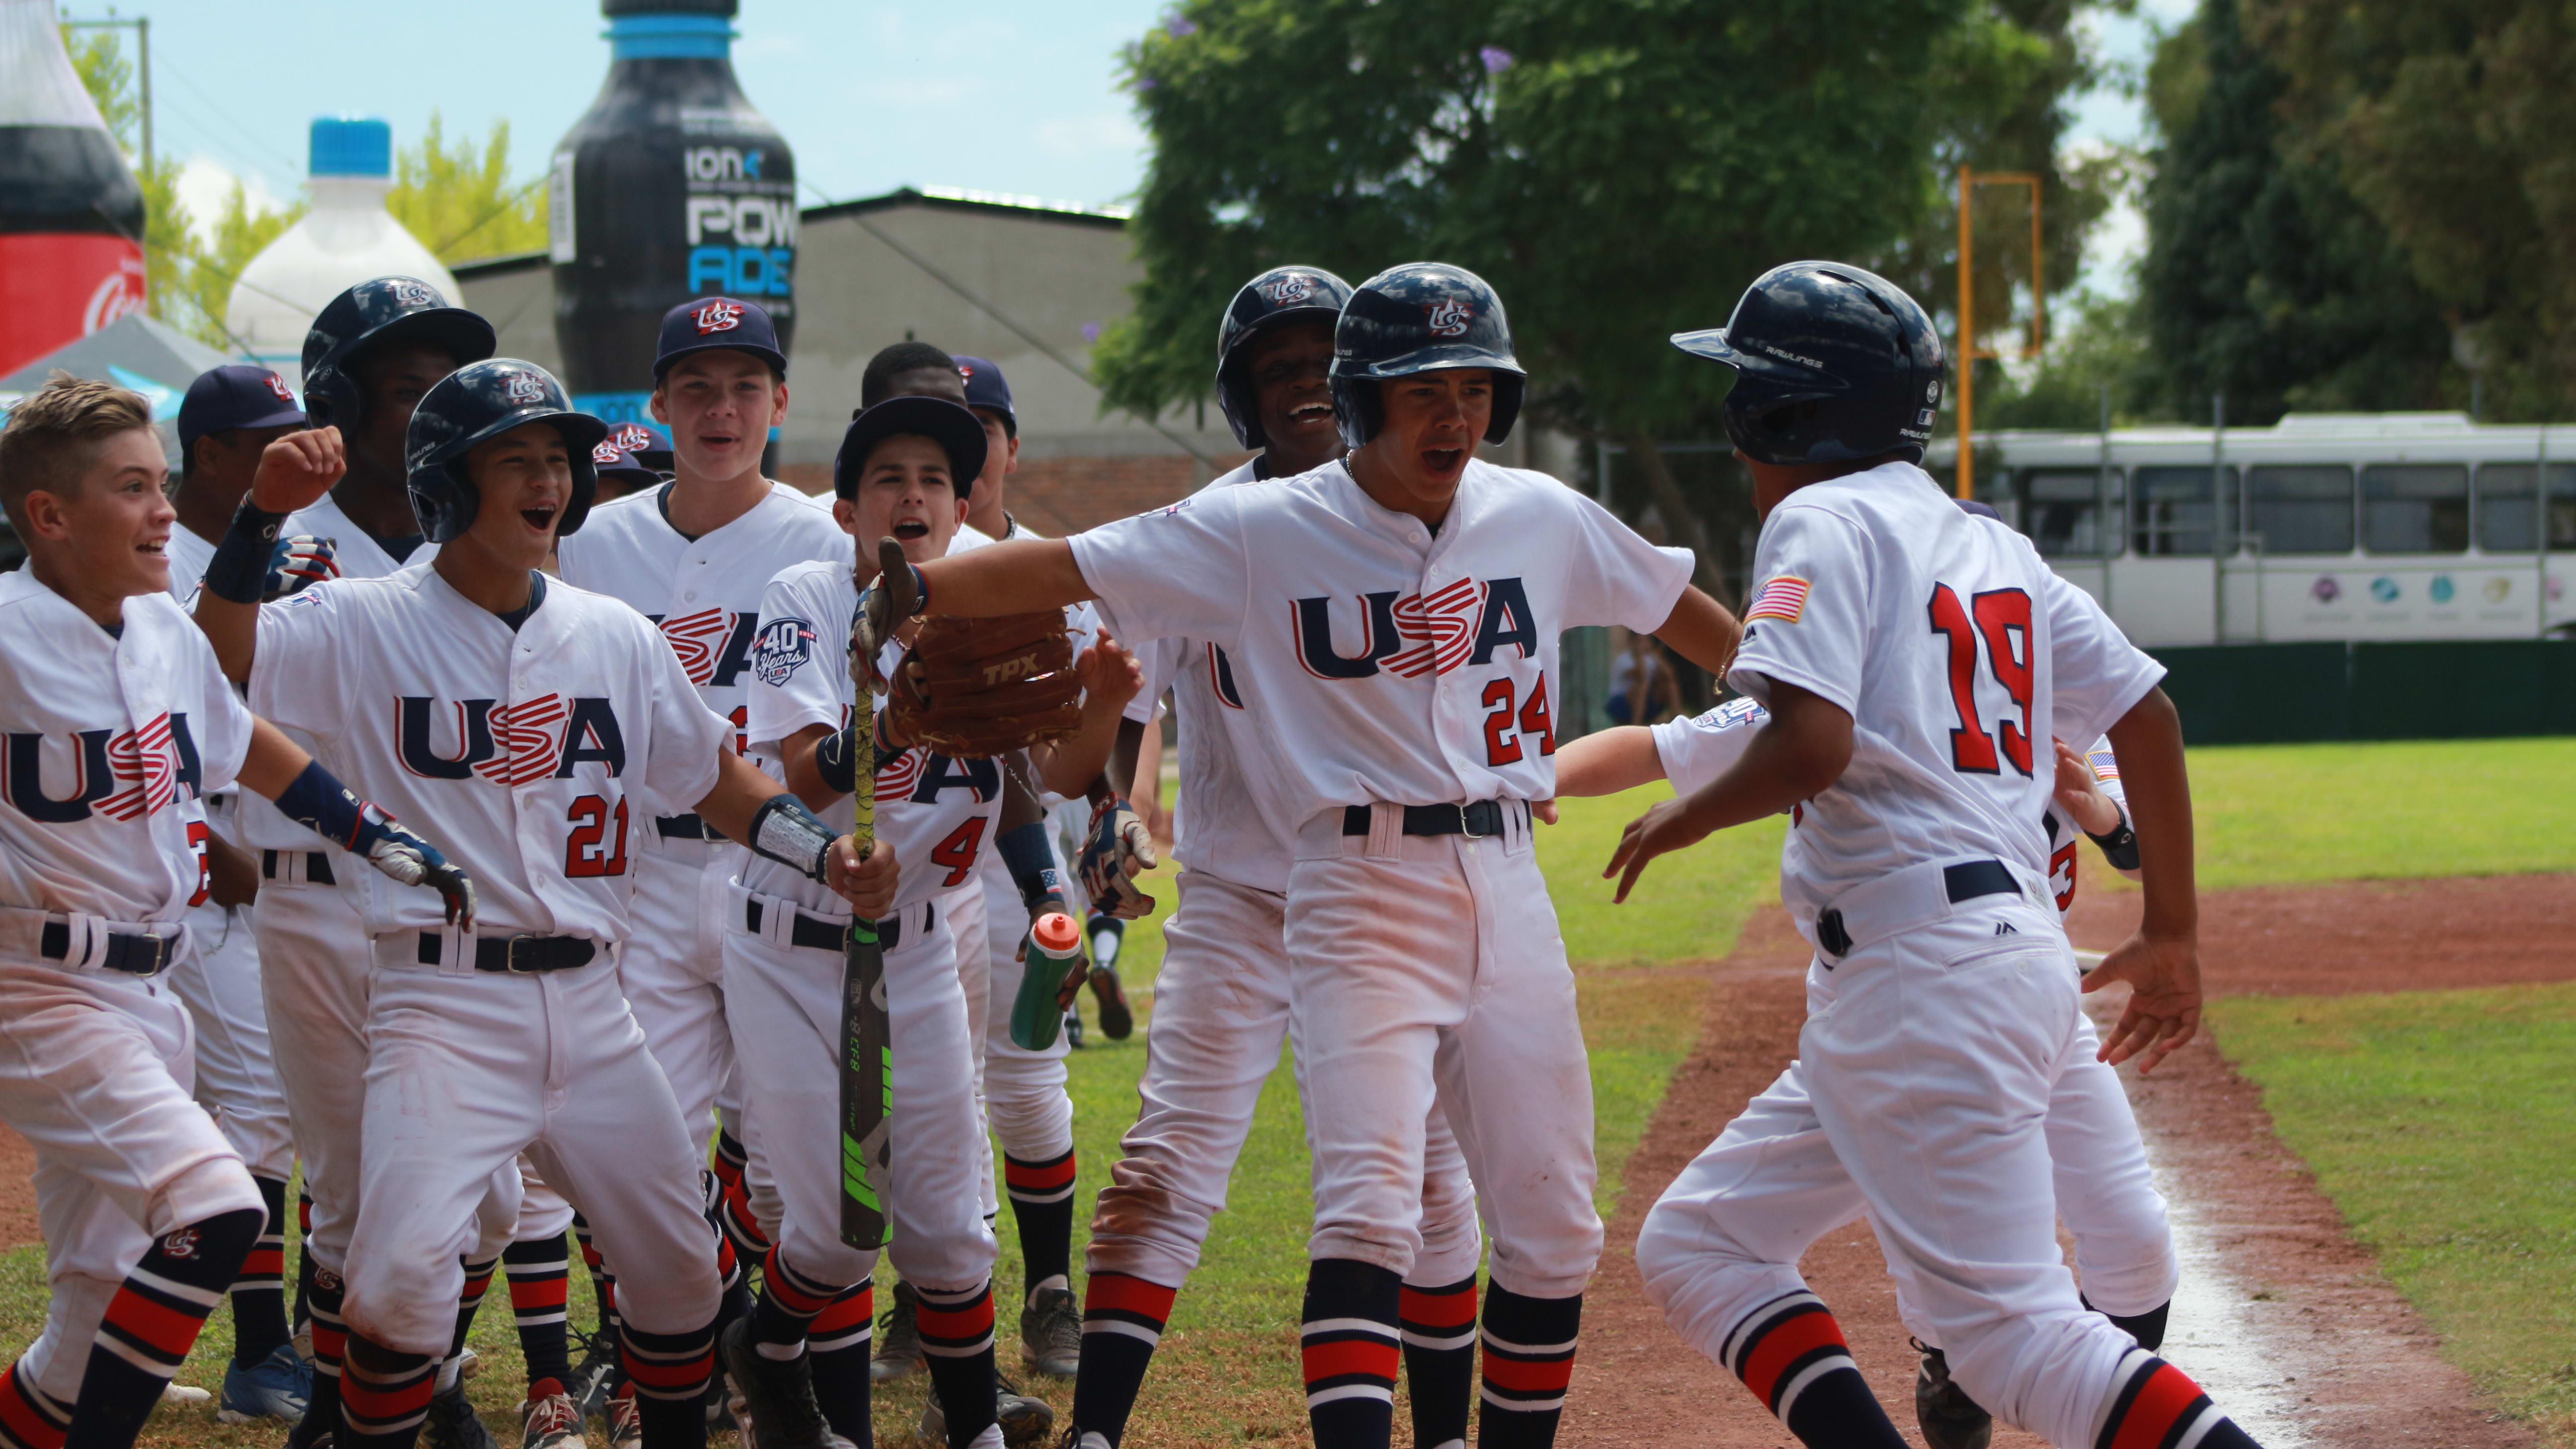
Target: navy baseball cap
644	442
958	432
612	461
238	396
708	323
987	388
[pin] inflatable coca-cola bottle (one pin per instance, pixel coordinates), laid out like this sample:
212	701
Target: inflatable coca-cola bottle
672	186
71	212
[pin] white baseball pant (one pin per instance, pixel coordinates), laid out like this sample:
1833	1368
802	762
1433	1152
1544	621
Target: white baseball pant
468	1069
94	1073
236	1072
316	971
1023	1091
785	1002
1220	1019
1429	969
1922	1098
672	964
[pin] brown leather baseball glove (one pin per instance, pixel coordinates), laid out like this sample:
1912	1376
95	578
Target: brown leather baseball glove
969	688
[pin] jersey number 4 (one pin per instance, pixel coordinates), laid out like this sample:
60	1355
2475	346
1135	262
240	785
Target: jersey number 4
1505	714
2002	621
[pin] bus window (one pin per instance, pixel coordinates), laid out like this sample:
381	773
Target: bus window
2301	509
2504	506
2415	508
2063	510
2173	510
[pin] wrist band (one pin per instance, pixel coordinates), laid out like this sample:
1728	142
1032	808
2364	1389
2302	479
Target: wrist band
2119	846
238	573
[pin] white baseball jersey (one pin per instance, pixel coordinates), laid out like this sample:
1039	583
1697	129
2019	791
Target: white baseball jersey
105	740
358	556
936	813
703	593
1954	650
188	556
2062	830
1393	663
1243	832
535	757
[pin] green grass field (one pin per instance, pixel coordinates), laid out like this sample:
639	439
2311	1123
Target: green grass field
2487	1236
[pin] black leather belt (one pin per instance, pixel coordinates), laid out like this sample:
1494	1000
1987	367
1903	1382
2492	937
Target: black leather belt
126	954
518	955
683	827
1475	821
317	866
814	933
1964	882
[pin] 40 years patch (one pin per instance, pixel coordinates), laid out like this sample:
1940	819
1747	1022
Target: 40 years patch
781	648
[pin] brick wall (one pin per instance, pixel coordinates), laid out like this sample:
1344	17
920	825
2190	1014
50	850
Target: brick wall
1058	496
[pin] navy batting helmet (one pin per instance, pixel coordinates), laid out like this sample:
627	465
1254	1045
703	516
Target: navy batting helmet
1420	317
474	404
373	315
1277	298
1833	364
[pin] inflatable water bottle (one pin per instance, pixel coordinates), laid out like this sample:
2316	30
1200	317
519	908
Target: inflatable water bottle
347	238
670	187
71	212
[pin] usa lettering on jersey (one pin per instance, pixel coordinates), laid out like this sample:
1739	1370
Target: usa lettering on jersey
121	774
507	745
1411	635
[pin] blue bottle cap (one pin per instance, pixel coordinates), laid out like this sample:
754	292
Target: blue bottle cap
352	146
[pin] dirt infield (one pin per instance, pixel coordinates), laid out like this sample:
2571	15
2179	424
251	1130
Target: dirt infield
2282	1315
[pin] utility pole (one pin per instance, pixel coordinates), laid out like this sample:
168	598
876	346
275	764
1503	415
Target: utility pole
1969	181
141	25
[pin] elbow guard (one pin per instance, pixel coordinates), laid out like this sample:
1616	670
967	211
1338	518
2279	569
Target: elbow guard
836	759
1032	865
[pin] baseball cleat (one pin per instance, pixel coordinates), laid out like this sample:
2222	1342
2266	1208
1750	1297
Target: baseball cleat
1948	1417
550	1419
773	1397
1051	1334
276	1387
595	1377
1073	1029
1023	1421
1117	1022
625	1425
468	1364
453	1424
898	1344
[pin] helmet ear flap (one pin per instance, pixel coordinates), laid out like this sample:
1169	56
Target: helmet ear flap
585	492
1508	392
344	403
1242	410
1358	410
445	513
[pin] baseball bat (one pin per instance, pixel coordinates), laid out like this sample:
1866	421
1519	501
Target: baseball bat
867	1032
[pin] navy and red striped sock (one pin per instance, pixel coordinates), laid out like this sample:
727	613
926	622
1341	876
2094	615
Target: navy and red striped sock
2156	1404
734	1216
540	1293
2147	1328
1790	1352
957	1343
1439	1326
1349	1345
478	1282
603	1284
1529	1361
30	1418
1122	1322
789	1303
1042	1205
153	1321
259	1289
839	1339
670	1372
384	1395
330	1346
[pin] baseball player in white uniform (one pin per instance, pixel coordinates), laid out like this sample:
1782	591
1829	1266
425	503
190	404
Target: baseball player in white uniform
1020	1091
1914	659
542	723
115	718
1397	614
898	476
694	555
1221	999
228	415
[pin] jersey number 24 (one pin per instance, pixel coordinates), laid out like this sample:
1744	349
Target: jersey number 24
2000	618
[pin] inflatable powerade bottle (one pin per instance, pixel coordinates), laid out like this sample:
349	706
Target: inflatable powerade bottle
71	212
671	187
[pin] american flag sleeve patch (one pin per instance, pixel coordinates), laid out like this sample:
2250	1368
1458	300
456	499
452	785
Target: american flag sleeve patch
1784	598
2104	766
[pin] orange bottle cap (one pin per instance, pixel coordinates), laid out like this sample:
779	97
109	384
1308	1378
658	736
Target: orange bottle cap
1056	934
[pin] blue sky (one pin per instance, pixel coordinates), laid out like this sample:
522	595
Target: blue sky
1002	95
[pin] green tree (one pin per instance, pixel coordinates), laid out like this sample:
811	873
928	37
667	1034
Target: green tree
459	199
2265	279
99	57
1619	169
2454	123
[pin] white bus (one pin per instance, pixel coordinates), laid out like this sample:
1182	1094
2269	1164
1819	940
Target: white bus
2351	526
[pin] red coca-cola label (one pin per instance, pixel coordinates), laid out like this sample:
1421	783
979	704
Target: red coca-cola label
56	289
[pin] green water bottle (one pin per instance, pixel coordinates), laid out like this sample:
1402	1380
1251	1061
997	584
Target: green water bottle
1055	948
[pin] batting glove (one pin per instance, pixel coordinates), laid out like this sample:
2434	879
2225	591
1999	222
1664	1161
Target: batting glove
1118	850
392	847
302	560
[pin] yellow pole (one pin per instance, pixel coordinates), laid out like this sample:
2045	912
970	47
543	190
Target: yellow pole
1967	474
2038	277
